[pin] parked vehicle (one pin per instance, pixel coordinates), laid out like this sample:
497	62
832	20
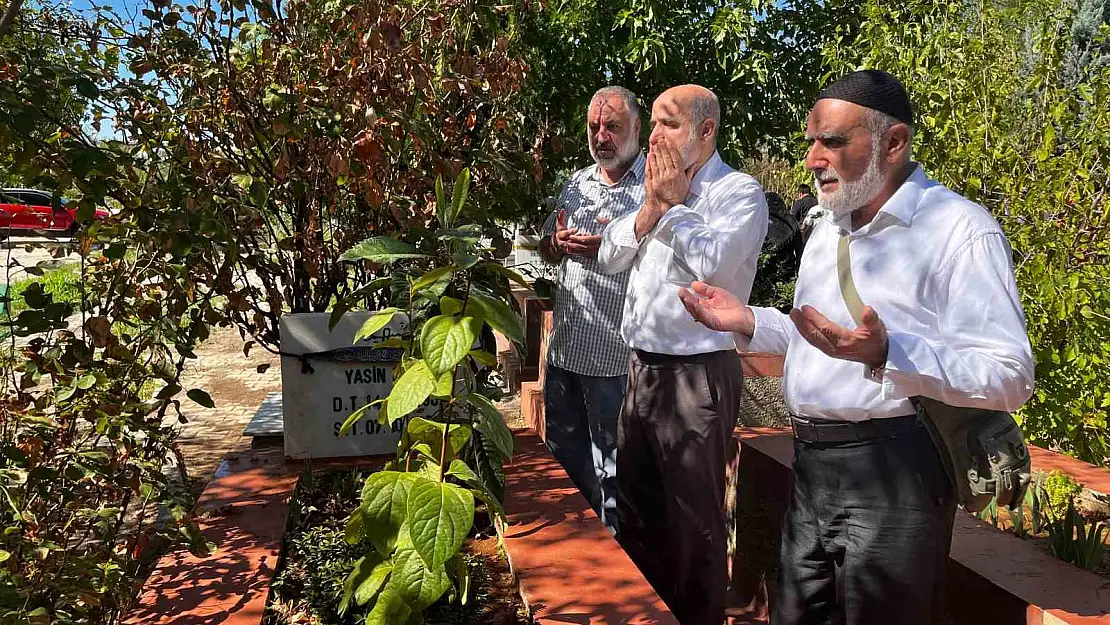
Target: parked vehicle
24	210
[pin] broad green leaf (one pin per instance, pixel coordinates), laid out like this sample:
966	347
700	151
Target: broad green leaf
431	278
425	450
349	302
498	314
201	397
86	381
381	250
443	211
421	430
168	391
420	585
446	340
356	525
484	357
493	504
445	385
4	555
390	609
449	305
505	271
87	88
376	322
465	260
369	588
414	386
243	181
427	469
469	233
384	506
360	575
355	416
462	190
65	393
462	472
491	425
259	193
439	517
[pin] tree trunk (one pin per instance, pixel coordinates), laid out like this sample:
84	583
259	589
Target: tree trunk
9	16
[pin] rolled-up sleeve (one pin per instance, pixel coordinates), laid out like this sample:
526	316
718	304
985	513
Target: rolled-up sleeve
984	359
714	241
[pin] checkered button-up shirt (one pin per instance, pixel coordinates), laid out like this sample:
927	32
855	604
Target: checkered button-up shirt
586	333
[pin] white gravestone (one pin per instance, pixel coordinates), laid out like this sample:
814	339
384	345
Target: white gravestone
333	379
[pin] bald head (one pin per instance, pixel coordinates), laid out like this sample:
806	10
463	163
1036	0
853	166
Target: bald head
695	102
687	116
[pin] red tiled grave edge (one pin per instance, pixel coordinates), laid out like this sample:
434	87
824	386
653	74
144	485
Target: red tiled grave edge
571	570
243	511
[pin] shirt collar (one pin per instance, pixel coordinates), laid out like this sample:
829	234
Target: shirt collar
706	175
901	207
635	173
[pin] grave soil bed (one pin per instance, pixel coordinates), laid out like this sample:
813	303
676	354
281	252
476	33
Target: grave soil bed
316	559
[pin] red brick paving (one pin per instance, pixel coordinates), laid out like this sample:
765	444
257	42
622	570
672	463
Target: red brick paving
248	501
571	569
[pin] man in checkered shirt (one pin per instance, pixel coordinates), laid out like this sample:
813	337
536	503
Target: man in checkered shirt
587	360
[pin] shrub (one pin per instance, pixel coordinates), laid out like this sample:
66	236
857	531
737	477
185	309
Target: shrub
1060	491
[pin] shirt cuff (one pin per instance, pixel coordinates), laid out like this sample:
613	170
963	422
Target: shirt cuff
767	337
624	233
899	375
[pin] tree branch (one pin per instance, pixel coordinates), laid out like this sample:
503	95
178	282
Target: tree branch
9	16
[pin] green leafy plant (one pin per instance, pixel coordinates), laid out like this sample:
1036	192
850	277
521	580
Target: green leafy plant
62	283
419	509
1035	500
990	513
1060	491
1073	540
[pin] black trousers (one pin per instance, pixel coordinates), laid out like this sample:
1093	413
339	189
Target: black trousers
867	534
672	439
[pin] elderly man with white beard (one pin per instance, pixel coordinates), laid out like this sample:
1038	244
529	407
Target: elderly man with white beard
701	220
869	525
586	357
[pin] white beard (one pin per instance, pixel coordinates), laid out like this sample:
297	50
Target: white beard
624	156
853	195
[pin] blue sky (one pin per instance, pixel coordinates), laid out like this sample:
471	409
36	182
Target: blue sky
123	7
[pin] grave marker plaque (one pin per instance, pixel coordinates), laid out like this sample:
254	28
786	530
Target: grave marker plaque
325	377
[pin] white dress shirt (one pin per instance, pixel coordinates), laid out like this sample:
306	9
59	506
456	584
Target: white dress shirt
937	269
714	237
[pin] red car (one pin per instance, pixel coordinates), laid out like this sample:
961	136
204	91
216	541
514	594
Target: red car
28	209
